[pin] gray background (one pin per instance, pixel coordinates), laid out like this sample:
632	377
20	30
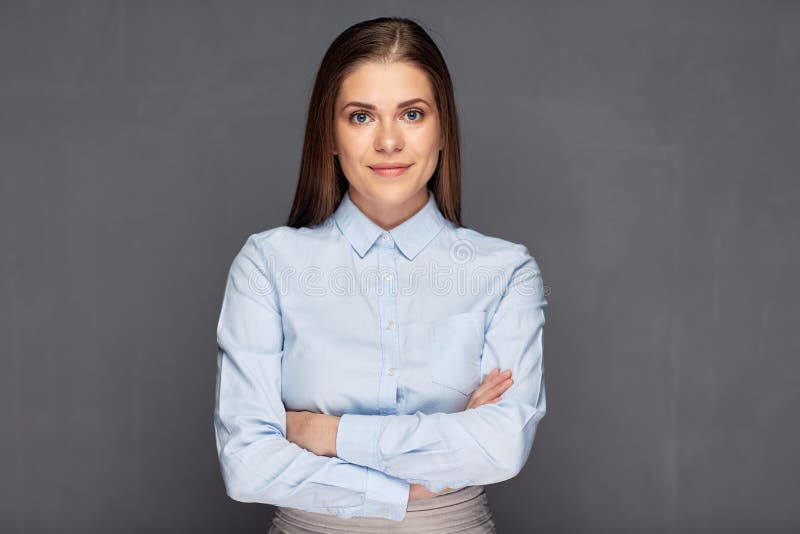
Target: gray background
646	152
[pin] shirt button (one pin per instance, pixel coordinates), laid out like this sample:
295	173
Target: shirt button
389	325
392	371
387	276
386	237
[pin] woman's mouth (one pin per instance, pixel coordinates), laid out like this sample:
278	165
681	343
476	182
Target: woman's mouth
390	170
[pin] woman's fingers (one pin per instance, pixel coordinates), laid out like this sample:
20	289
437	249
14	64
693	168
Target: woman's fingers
502	386
496	376
496	381
418	491
491	388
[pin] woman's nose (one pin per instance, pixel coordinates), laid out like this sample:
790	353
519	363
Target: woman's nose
388	138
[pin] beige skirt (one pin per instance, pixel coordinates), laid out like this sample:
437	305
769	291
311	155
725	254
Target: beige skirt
463	511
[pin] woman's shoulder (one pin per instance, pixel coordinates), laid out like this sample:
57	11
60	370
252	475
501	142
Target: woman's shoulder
281	237
499	249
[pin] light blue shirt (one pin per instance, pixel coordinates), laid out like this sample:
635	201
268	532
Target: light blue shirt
392	330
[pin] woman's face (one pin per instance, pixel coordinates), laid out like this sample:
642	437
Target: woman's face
386	113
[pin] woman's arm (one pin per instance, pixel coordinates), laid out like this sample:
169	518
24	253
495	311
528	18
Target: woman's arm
258	463
488	444
317	432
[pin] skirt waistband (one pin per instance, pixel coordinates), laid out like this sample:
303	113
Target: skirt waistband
448	499
464	510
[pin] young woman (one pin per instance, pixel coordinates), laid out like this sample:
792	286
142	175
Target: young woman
366	348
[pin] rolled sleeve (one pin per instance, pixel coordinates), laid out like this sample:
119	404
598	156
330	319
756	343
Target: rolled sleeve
386	496
357	439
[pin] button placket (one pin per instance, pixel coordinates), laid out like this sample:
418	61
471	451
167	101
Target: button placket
390	347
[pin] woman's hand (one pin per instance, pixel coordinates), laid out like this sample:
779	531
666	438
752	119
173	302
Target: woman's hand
418	491
313	431
490	391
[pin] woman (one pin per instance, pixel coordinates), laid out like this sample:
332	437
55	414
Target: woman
360	346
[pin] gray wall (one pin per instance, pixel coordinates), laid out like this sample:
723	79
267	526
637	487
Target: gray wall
646	152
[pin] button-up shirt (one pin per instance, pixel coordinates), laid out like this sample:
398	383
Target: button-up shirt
392	331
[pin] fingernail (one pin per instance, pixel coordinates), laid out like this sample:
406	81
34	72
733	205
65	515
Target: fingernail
507	372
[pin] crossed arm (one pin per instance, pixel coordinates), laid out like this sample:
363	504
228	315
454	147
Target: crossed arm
317	432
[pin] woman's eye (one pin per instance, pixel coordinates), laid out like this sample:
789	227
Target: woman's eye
417	115
357	114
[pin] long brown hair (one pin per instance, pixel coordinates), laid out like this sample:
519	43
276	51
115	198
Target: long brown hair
321	182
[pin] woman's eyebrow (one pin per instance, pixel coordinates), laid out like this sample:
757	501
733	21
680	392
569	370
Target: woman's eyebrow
372	107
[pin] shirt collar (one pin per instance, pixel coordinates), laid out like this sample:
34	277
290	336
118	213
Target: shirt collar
411	235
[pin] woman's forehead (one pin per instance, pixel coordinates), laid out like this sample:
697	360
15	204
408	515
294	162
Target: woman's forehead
385	85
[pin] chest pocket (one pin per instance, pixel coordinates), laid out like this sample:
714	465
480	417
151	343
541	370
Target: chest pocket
457	345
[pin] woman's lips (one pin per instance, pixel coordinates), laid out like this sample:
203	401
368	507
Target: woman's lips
390	172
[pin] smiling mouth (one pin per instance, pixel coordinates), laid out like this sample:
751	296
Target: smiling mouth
390	172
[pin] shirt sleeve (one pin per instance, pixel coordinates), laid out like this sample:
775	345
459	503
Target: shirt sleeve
482	445
258	463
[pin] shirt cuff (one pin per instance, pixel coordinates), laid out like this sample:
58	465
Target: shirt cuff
357	439
386	496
